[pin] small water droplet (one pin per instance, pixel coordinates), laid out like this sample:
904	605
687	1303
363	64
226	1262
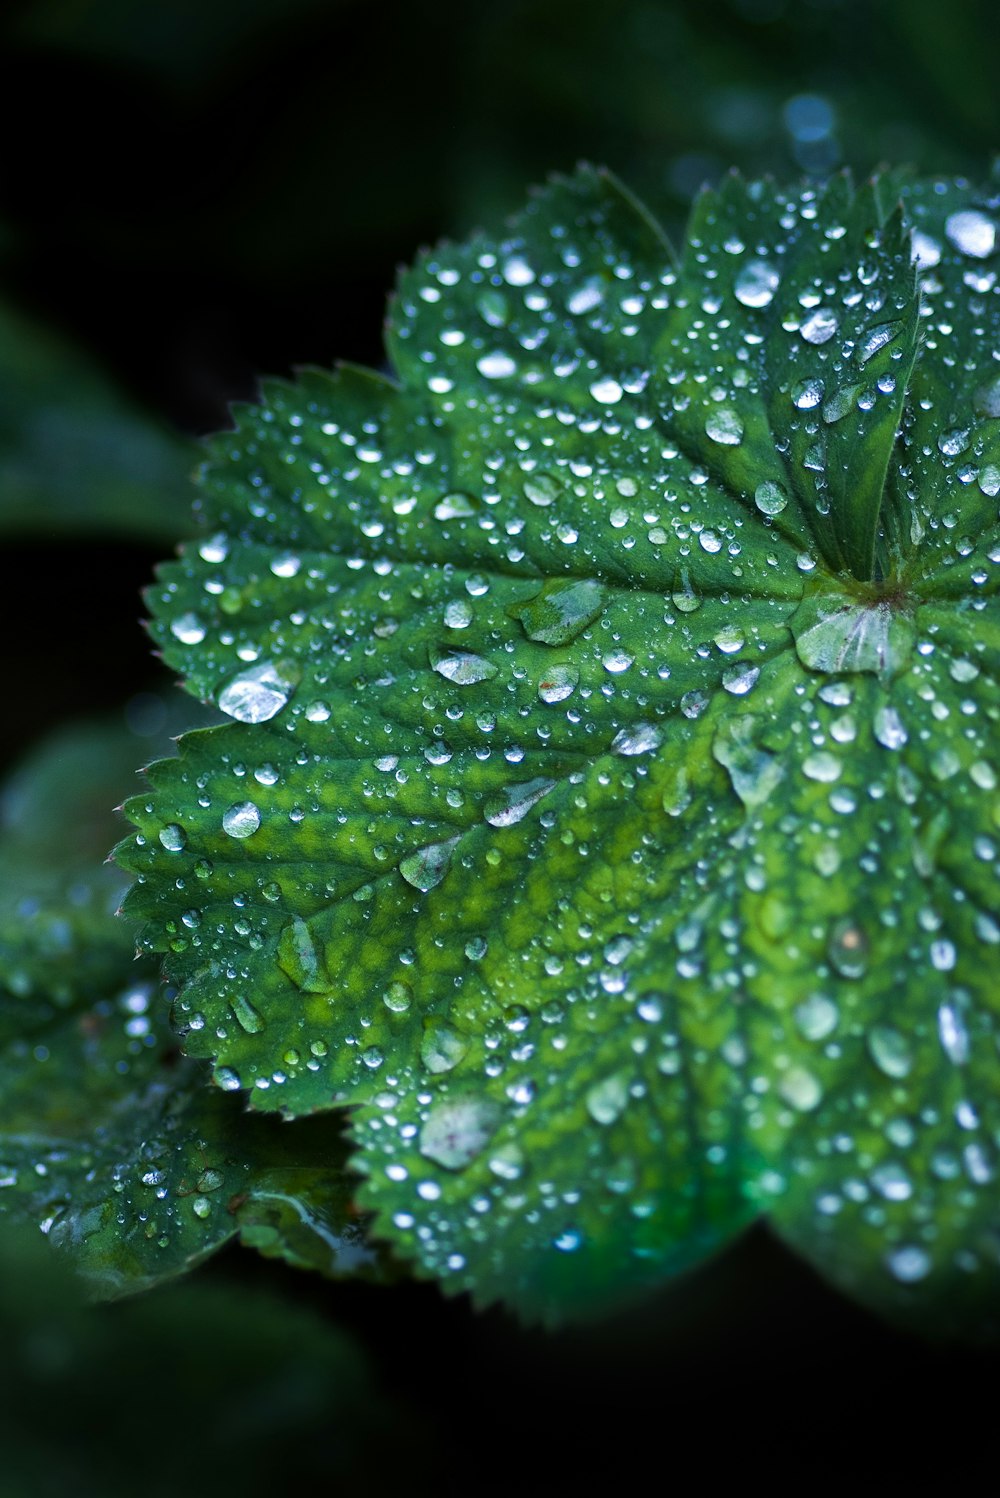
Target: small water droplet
496	366
800	1089
606	391
173	837
188	628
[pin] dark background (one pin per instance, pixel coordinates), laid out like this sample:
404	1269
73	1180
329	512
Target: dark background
197	192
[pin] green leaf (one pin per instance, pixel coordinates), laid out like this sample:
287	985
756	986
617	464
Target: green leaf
109	1140
76	456
611	794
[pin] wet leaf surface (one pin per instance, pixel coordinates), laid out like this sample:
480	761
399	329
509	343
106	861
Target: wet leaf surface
110	1141
609	813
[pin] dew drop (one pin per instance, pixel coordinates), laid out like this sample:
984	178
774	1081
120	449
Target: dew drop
457	1131
188	628
607	1099
256	695
820	326
890	1051
725	427
770	498
173	837
241	820
972	233
558	683
756	283
427	867
461	666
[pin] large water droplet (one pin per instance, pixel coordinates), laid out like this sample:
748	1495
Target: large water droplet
258	694
299	959
561	610
457	1131
756	283
770	498
173	837
428	866
496	366
241	820
515	801
725	427
890	1051
442	1048
753	772
820	326
642	738
607	1099
461	666
558	683
972	233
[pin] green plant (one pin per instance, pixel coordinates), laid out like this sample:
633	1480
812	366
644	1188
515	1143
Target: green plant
609	816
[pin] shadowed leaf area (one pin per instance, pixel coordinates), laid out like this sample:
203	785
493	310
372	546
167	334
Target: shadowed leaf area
113	1143
609	810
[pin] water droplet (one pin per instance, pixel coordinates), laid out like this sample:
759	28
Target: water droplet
808	394
926	251
606	391
188	628
739	679
908	1264
228	1079
442	1048
890	1051
561	610
972	233
515	801
877	338
848	949
754	773
173	837
250	1018
241	820
820	326
461	666
640	739
541	489
427	867
725	427
954	442
770	498
817	1017
258	694
558	683
889	729
457	1131
454	507
299	960
953	1034
756	283
201	1206
398	997
822	766
586	297
496	366
800	1089
607	1099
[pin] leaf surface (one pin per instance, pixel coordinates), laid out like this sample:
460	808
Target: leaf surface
111	1141
611	784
